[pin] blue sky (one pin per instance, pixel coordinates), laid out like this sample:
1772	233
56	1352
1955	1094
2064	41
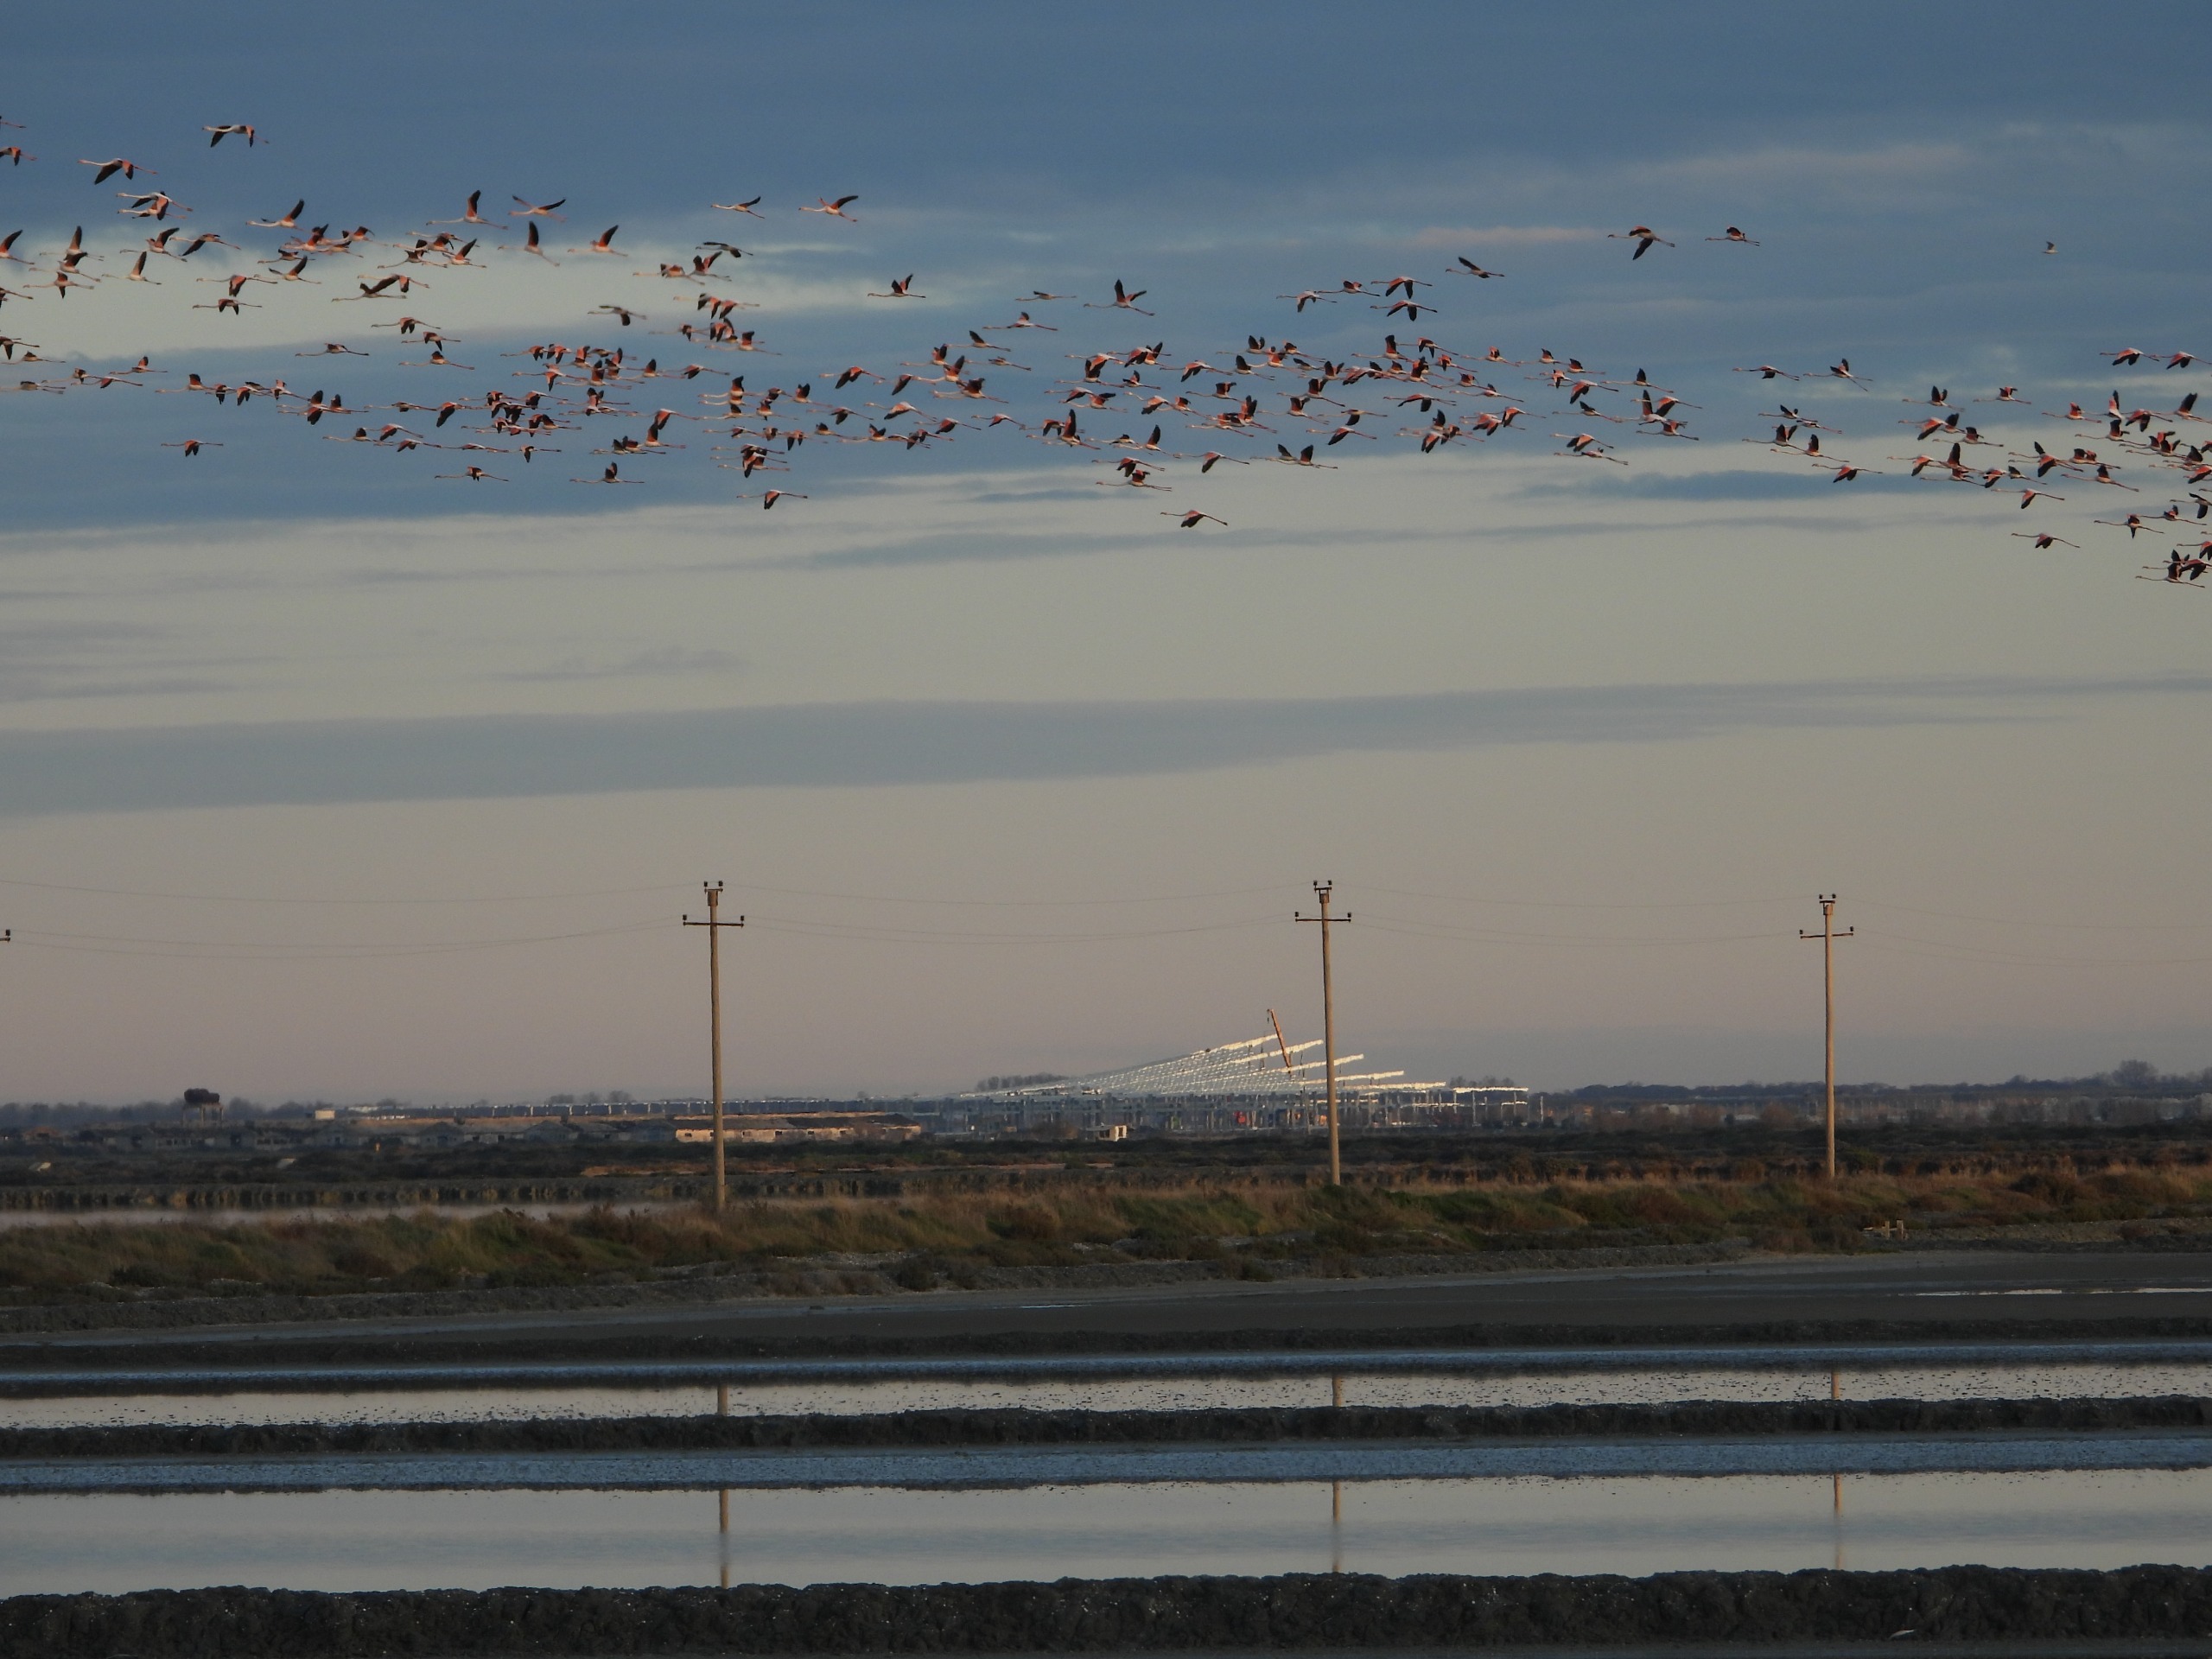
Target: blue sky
968	675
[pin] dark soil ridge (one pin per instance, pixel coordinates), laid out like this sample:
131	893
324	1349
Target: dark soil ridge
1016	1426
1095	1616
504	1359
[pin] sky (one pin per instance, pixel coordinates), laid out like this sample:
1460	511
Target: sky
328	772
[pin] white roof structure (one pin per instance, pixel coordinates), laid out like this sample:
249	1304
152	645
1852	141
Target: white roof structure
1257	1067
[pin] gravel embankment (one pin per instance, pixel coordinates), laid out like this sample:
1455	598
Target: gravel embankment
2052	1609
1014	1427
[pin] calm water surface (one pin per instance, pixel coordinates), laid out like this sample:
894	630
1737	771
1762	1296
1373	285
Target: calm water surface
365	1541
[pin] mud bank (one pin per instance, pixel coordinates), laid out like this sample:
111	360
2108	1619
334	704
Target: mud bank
1014	1427
1293	1612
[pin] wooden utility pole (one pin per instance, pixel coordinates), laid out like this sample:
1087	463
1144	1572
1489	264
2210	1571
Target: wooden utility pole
1827	936
1322	890
714	925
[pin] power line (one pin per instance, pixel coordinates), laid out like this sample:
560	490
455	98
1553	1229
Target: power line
884	934
1944	950
1079	904
1415	928
2000	921
1577	903
1827	936
1322	892
715	925
258	899
1014	904
237	951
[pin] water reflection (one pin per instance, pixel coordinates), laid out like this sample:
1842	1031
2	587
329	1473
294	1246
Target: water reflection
365	1541
721	1407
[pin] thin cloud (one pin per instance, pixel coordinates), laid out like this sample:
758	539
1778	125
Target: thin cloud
668	662
879	745
64	660
1502	235
1732	485
957	550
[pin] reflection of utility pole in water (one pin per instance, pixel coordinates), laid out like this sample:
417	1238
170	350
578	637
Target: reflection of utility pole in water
1836	1394
721	1409
1336	1489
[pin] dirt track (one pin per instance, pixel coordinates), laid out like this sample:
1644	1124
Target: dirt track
2004	1295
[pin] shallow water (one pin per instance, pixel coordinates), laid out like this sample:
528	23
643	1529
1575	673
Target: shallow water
699	1469
1153	1393
363	1541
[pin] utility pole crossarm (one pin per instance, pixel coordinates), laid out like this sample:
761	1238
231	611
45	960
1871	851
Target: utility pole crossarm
714	925
1827	936
1322	891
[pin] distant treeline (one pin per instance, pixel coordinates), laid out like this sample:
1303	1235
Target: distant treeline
2129	1080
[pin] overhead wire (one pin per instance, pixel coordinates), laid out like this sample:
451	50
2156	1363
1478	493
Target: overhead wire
1415	929
2003	921
241	950
879	934
1016	904
833	929
1579	904
267	899
1950	950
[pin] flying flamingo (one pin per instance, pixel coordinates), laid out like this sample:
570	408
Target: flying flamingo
1643	236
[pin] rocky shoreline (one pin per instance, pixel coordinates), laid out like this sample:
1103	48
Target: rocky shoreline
2088	1610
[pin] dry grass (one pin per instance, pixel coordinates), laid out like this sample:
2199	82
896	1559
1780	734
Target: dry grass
918	1239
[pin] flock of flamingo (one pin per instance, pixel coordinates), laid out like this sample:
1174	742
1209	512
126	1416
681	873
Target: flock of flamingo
1263	401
